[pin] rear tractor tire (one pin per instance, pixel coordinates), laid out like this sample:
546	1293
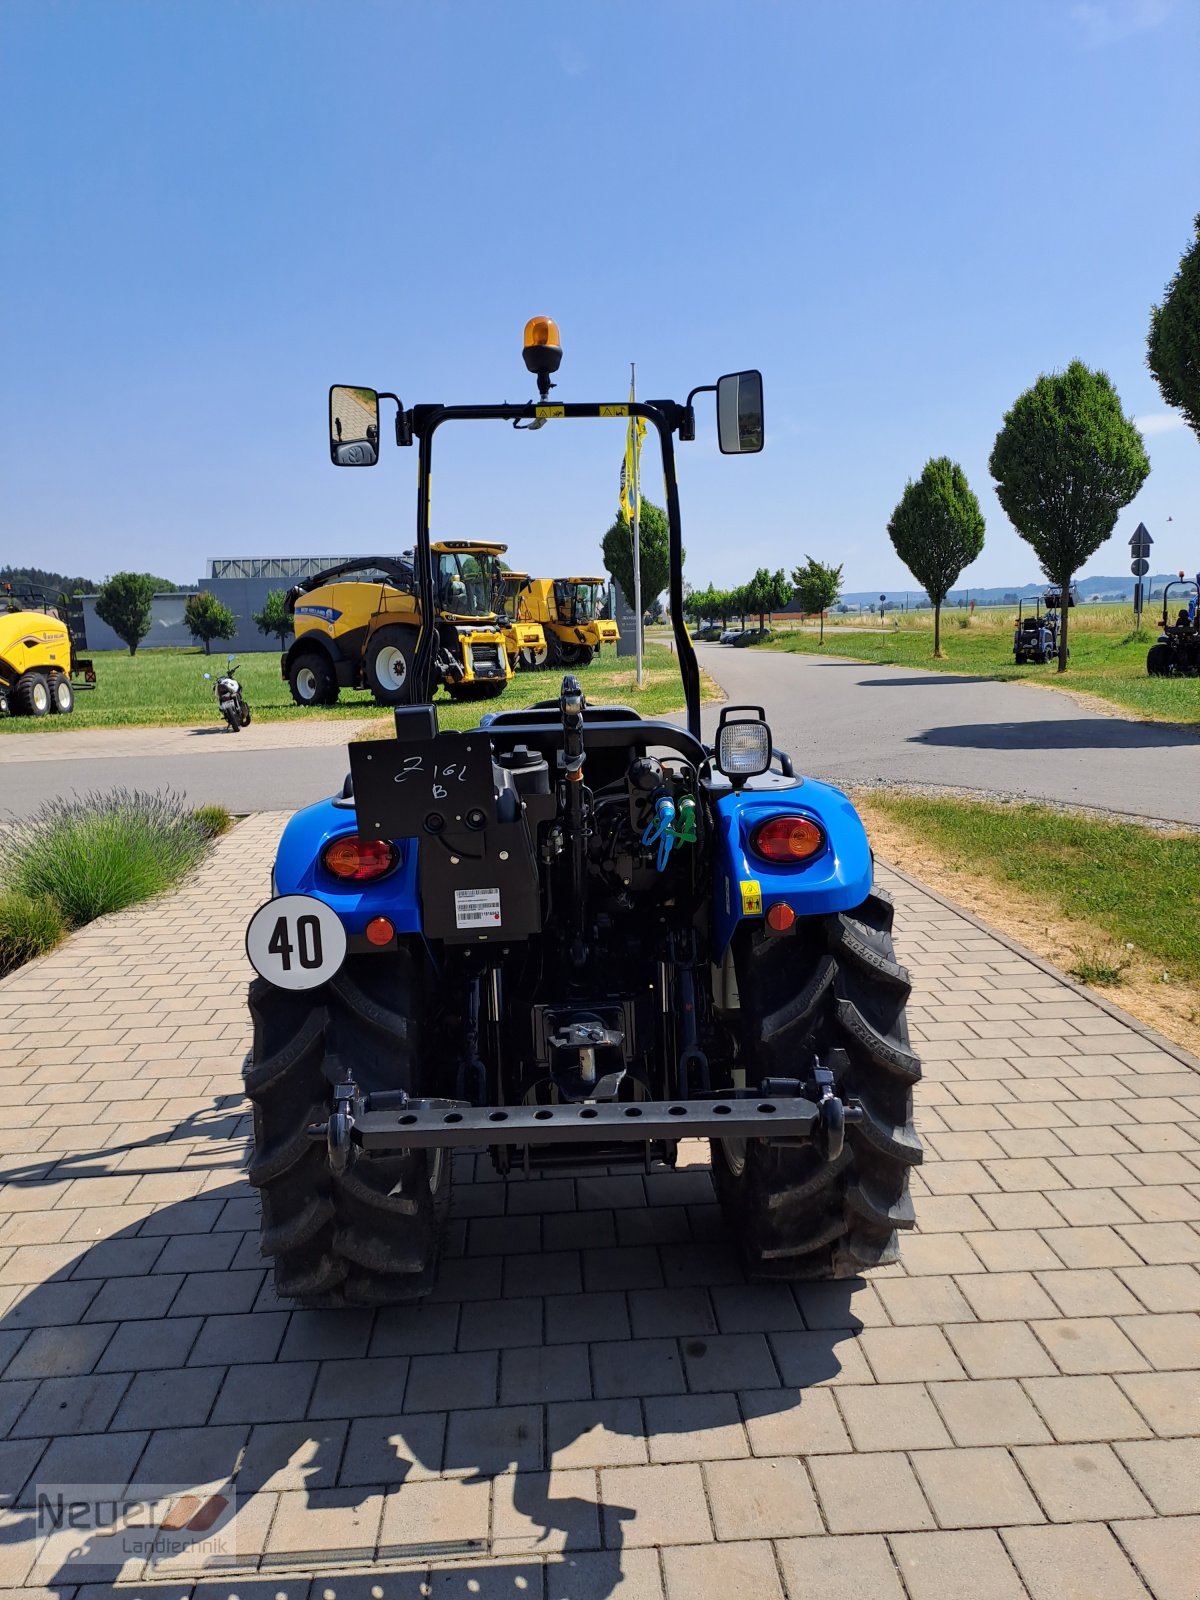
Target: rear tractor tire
1158	661
371	1235
834	988
312	681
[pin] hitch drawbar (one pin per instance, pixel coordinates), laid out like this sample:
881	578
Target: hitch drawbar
393	1120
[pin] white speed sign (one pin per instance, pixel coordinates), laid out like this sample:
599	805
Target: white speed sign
295	942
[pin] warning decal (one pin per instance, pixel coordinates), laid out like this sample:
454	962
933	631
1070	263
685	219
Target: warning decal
751	898
614	411
477	908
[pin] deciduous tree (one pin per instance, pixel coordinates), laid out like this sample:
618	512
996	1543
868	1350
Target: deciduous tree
937	529
818	587
124	603
206	618
653	550
275	618
1173	348
1066	463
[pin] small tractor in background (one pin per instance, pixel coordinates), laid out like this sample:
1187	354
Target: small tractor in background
358	625
1035	637
568	610
1177	651
38	656
573	936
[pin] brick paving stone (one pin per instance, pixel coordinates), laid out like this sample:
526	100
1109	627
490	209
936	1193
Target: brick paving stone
637	1367
989	1412
1167	1400
956	1566
1081	1561
974	1488
695	1427
547	1372
1088	1344
761	1498
391	1450
623	1575
840	1568
746	1568
891	1416
876	1493
545	1512
800	1422
1166	1552
1080	1482
827	1357
1167	1471
1081	1410
662	1505
1170	1340
1005	1296
595	1433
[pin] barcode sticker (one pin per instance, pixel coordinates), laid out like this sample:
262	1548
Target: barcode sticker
477	908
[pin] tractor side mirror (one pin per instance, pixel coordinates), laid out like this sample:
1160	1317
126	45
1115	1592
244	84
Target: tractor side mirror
740	413
353	427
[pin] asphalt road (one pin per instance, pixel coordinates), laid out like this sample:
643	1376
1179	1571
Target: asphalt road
851	722
845	721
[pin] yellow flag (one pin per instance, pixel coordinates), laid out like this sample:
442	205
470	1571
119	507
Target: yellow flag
631	490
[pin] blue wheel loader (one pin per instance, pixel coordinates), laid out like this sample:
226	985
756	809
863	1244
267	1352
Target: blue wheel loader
570	935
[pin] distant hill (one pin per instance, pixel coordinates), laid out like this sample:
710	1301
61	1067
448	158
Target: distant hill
1088	587
56	583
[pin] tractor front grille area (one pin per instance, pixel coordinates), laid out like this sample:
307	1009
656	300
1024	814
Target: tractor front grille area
487	660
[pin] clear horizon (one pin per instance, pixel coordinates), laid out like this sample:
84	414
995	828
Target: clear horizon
903	215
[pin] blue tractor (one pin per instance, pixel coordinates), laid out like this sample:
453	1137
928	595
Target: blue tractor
571	935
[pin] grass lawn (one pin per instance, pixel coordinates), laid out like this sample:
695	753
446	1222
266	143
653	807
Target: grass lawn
1115	904
166	688
1107	659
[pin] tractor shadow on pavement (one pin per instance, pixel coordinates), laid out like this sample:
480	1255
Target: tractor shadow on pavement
591	1341
1069	733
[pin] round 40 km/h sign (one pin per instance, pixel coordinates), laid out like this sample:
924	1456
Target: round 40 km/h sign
295	942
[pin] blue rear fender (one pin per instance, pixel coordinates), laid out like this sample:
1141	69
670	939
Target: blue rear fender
298	870
746	886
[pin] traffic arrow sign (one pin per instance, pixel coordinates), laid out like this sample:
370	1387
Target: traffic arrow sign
1141	541
1139	566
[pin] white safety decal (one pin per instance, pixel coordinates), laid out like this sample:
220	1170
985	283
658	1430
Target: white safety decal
296	942
477	908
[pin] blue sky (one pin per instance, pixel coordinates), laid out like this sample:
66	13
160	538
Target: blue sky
902	213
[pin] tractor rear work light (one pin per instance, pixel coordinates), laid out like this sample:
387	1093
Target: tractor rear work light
356	860
787	840
743	749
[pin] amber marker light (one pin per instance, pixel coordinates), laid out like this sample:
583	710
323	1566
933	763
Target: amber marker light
542	351
356	860
380	931
541	331
787	840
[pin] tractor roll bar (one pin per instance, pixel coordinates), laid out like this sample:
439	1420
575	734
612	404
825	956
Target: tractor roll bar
665	415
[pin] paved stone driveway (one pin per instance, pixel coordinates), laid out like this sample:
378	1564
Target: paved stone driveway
595	1403
160	744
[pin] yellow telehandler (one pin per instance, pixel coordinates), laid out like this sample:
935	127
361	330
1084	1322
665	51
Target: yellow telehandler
357	626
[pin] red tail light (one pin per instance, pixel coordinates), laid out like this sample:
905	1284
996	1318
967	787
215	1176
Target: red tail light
356	860
787	840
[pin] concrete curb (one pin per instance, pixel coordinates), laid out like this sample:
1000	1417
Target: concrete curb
1184	1057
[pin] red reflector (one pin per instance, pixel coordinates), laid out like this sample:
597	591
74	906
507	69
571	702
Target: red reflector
781	916
380	931
787	839
357	860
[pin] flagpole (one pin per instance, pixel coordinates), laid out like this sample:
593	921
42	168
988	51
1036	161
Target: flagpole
635	499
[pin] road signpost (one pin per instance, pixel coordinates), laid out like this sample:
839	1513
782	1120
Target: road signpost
1139	550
